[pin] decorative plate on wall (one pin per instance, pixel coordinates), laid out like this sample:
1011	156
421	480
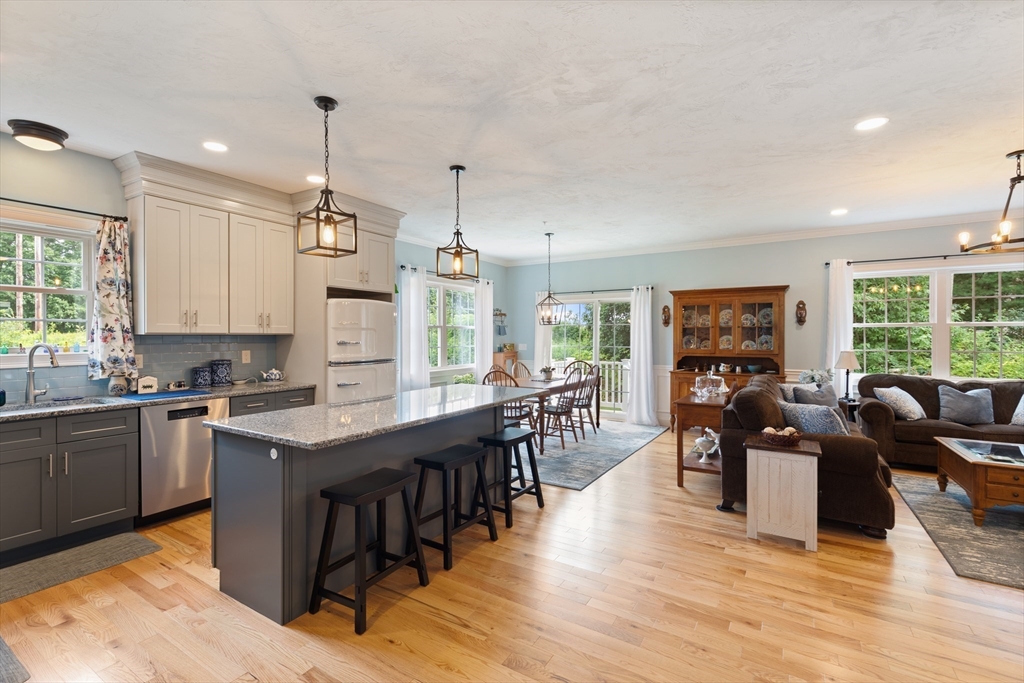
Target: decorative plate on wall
725	341
725	317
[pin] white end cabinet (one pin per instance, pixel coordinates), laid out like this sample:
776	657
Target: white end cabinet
371	268
262	282
182	279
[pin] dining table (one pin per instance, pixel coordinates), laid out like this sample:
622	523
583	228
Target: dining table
553	387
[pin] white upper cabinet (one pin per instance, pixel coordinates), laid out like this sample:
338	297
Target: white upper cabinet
262	277
372	268
182	281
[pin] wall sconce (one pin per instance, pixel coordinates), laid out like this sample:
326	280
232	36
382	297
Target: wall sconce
666	316
801	312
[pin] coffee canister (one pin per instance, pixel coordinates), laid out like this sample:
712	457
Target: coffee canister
202	377
220	372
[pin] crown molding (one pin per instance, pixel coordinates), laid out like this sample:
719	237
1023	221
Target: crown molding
768	238
505	263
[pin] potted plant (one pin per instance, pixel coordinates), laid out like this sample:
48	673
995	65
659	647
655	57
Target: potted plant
546	372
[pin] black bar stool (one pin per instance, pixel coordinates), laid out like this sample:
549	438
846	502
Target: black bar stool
452	460
373	487
508	440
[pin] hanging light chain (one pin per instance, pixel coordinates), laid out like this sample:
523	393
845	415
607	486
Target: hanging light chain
327	155
549	264
457	226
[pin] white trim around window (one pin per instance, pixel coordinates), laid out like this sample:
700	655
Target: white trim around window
442	368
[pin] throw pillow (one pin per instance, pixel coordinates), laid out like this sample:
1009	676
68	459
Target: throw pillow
1018	414
903	404
787	390
812	419
825	396
966	408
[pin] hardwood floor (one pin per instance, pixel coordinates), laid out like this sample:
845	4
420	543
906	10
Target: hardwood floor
633	579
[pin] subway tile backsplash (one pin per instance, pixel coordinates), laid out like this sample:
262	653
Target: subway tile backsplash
167	357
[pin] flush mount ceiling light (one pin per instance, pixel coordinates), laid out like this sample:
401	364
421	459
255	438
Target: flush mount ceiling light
315	179
457	261
326	230
839	212
215	146
549	310
871	124
37	135
1002	235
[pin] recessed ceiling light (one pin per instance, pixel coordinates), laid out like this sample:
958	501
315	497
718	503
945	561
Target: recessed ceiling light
315	179
37	135
871	124
215	146
839	212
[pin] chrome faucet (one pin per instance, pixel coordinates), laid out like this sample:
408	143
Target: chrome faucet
30	384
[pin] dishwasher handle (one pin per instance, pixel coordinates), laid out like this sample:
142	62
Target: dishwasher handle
188	413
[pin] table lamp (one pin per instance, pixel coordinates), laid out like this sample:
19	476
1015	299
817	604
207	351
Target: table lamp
847	361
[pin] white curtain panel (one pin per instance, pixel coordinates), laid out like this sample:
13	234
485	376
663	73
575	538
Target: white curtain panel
839	321
642	408
541	339
413	364
484	300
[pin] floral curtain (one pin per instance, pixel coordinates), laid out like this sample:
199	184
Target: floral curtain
111	340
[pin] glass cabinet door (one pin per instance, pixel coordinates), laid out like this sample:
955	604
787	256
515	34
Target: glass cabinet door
757	327
724	326
697	328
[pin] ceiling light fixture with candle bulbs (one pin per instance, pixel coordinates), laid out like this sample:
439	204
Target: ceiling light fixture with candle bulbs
1001	239
326	230
457	261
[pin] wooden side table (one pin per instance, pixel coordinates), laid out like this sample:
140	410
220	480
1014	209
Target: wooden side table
689	412
782	490
505	359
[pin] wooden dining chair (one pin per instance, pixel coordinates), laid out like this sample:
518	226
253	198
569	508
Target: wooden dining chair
516	410
520	371
562	407
585	401
584	366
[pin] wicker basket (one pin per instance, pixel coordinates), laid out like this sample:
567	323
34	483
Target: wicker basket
786	441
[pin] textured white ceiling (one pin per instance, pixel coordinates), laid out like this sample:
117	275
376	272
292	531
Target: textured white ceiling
623	124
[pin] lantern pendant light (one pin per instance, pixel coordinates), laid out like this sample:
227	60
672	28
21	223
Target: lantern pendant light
550	310
457	261
326	230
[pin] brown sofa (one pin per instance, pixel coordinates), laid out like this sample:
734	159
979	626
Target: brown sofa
913	441
852	478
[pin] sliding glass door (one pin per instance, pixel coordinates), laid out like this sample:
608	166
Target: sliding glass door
597	330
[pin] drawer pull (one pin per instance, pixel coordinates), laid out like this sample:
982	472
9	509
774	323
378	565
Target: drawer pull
51	466
349	384
342	342
256	405
65	462
297	400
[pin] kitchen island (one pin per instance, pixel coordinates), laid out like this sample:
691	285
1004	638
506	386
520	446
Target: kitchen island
268	470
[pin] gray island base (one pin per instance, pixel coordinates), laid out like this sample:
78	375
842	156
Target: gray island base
268	469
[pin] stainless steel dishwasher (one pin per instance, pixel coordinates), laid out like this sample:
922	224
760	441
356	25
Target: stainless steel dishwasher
177	452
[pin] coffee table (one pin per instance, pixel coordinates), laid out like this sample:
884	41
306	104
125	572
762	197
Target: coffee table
987	482
690	412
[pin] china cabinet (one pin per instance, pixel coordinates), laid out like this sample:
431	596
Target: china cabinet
736	327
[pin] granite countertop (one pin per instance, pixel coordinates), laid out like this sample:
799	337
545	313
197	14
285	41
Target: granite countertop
325	425
96	404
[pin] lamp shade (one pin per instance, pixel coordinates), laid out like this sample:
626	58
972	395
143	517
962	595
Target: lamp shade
847	361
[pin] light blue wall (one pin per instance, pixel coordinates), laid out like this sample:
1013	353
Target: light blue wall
799	264
64	178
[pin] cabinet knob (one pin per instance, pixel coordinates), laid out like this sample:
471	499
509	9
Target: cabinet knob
1016	477
1016	495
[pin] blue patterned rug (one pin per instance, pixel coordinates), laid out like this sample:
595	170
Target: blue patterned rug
583	463
991	552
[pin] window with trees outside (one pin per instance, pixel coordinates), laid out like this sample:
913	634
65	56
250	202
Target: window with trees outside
574	338
946	322
451	326
43	294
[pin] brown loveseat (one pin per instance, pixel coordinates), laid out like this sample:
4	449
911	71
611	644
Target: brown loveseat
852	479
913	441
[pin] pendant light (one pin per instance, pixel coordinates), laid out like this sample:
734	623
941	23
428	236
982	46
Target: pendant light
457	261
37	135
550	310
326	230
1002	237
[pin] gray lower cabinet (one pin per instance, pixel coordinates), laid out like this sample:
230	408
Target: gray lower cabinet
264	403
28	495
54	480
98	482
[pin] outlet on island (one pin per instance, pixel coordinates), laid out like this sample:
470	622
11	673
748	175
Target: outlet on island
246	356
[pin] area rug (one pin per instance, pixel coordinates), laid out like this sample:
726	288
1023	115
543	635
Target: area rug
583	463
11	670
991	552
67	565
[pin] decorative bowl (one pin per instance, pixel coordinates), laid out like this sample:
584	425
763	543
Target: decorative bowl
754	368
786	441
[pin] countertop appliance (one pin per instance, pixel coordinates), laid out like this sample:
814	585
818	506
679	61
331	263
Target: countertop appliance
177	453
360	349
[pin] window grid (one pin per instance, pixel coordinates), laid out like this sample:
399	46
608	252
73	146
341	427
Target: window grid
451	326
893	324
986	325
